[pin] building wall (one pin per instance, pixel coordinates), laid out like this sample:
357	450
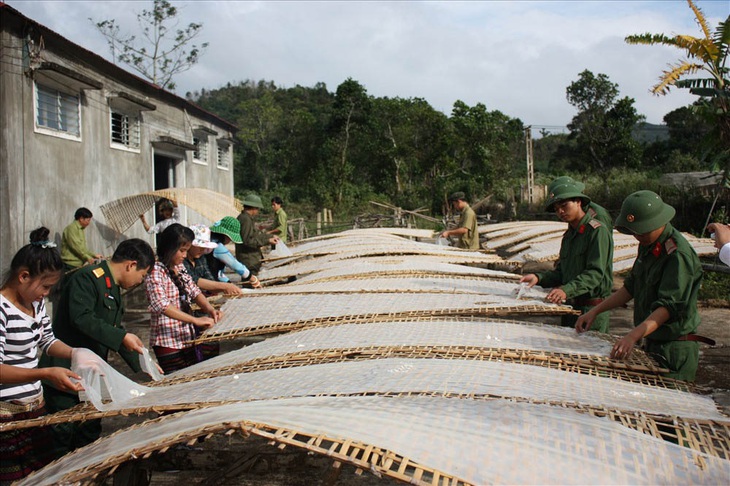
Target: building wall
45	178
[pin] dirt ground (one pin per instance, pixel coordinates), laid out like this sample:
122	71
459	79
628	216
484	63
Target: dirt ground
234	461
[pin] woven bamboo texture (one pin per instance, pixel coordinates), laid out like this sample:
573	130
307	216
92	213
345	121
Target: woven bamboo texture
337	266
476	442
412	283
256	314
122	213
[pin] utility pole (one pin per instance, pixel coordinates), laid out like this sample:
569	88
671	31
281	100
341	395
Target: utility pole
530	166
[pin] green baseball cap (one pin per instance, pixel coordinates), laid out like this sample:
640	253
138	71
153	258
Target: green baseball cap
253	201
457	196
642	212
230	227
561	192
566	180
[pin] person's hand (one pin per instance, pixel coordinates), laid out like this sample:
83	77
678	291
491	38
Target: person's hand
722	233
255	282
141	216
530	279
203	322
216	315
60	378
585	322
133	343
99	257
232	289
556	296
274	240
624	346
445	234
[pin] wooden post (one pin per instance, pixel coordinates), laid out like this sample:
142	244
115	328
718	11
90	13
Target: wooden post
530	166
319	223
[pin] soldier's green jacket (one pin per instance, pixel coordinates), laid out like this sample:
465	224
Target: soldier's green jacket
249	252
89	315
599	213
468	220
585	267
667	274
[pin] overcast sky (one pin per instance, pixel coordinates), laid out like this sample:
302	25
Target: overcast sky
514	56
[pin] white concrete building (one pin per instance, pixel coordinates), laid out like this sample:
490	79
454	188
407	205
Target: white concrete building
79	131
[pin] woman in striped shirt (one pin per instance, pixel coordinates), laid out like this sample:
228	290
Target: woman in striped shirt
24	329
171	291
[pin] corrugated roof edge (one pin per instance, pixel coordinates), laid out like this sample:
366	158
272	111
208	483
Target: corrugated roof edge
102	65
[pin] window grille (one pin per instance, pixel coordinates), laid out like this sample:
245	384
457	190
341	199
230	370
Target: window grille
125	129
57	110
201	148
224	155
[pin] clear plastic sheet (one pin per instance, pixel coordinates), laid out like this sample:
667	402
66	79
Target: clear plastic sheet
441	376
410	283
149	366
262	309
280	251
101	382
482	442
487	333
425	264
352	263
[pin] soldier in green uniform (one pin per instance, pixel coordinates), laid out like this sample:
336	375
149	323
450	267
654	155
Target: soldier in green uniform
664	282
583	275
89	315
249	251
466	229
597	212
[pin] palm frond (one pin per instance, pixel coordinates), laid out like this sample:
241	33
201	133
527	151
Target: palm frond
650	39
671	77
701	21
704	49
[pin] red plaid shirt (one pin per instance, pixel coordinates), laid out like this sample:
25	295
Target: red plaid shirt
163	293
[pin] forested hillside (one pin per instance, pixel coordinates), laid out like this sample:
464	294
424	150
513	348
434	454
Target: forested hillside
339	150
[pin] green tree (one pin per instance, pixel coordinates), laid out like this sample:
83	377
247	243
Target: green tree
485	147
350	116
259	133
602	128
163	52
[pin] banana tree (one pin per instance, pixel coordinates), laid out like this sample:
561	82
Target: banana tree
707	55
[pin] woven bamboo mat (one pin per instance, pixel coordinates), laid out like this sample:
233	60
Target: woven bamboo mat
258	313
122	213
413	283
478	440
336	265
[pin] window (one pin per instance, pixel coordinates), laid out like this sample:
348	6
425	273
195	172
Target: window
200	154
57	111
224	155
125	129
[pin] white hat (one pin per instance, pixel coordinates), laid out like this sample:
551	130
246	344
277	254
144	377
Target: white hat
202	236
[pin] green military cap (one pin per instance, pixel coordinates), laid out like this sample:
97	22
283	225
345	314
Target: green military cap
561	192
253	201
230	227
566	180
457	196
642	212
